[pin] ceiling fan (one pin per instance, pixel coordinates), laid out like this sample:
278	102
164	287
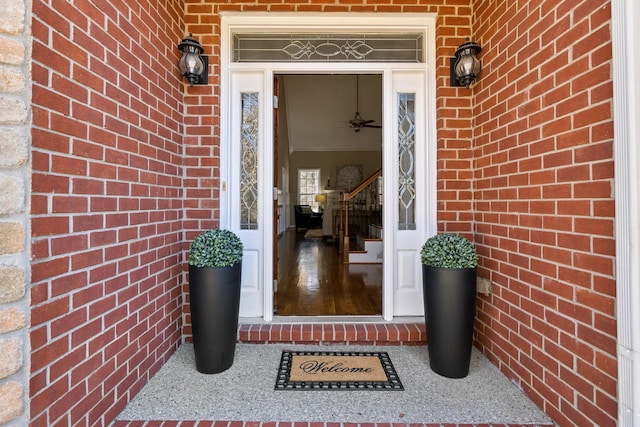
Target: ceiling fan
357	123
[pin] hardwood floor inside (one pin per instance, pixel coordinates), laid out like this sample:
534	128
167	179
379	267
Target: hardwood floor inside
313	281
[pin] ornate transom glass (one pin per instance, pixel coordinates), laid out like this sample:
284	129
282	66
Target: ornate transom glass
406	161
249	159
328	48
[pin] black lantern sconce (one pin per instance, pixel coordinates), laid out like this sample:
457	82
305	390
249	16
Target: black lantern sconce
465	66
193	65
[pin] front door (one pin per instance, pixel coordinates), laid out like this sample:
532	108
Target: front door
408	161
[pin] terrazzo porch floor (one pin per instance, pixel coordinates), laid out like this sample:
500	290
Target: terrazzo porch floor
244	395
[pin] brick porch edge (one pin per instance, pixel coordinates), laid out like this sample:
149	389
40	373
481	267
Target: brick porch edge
338	333
299	424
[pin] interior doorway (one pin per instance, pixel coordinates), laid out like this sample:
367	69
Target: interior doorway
330	125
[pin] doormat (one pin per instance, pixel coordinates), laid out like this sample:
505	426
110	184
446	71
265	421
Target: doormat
337	370
314	233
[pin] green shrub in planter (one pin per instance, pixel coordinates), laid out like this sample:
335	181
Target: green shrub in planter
449	265
216	248
215	277
449	251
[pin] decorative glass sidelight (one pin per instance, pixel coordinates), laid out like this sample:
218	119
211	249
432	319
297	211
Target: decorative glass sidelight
406	47
249	159
406	161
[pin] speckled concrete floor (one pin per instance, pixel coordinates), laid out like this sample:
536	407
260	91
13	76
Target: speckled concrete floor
246	392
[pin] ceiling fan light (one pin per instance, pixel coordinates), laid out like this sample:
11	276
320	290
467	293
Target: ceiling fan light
357	123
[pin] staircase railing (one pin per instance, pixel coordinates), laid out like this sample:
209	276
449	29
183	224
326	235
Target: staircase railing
359	208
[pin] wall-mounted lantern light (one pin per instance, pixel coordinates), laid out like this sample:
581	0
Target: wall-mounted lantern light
465	66
193	65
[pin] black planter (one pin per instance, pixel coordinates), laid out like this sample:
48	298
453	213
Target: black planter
214	297
449	303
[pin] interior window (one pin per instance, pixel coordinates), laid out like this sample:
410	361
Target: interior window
308	187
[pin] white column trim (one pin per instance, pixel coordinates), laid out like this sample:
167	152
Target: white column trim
626	109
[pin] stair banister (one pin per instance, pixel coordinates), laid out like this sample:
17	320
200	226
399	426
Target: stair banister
343	238
364	184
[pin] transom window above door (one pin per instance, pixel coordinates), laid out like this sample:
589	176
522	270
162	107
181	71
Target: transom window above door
328	48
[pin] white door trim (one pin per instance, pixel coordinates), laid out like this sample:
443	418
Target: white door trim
315	23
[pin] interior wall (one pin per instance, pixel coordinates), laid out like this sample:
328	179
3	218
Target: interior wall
321	105
543	202
106	204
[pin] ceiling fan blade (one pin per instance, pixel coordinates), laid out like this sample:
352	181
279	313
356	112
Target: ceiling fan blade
372	126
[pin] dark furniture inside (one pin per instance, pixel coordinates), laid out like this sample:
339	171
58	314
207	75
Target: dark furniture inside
306	217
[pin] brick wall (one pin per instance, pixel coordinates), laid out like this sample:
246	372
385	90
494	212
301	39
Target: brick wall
120	170
544	208
14	219
106	202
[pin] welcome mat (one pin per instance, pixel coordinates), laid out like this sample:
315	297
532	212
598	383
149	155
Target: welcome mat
337	370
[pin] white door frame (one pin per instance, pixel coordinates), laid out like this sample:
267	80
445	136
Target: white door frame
317	23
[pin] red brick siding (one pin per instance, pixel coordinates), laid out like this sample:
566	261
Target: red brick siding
543	202
106	204
120	170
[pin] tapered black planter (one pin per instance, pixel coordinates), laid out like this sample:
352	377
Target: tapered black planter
214	295
449	303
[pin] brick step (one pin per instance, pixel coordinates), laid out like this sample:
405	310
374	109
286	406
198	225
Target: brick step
334	333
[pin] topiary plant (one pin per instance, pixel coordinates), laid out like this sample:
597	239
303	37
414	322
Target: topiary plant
215	248
449	251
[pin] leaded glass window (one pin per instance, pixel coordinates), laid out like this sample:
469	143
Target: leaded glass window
406	161
407	47
249	161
